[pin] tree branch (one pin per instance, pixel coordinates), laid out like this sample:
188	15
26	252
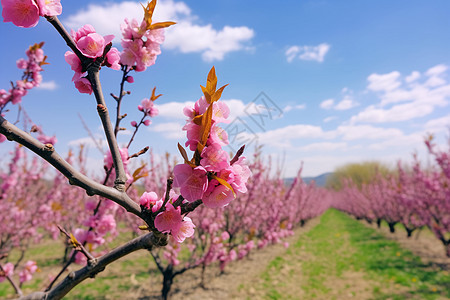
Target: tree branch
48	153
95	266
93	67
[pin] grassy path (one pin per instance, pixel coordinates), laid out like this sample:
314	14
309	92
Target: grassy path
341	259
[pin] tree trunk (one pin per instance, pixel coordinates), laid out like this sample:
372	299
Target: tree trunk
391	227
167	282
378	222
409	231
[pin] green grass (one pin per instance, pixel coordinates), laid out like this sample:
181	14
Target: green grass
326	258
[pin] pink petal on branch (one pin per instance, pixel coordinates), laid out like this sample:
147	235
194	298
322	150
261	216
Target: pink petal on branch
169	220
113	59
221	196
83	86
148	199
8	268
22	13
192	182
185	230
49	7
91	45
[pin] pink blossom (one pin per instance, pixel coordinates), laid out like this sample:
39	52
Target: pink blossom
153	112
221	196
130	79
169	220
140	46
193	135
147	122
214	158
147	106
148	199
83	86
192	182
106	224
2	138
221	111
108	161
22	63
133	123
185	230
74	62
22	13
27	273
80	258
113	59
8	268
89	42
241	175
49	7
218	136
47	139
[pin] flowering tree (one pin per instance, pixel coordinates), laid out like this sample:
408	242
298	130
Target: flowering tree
265	214
416	198
210	177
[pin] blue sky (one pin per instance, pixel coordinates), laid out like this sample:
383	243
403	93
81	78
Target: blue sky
346	81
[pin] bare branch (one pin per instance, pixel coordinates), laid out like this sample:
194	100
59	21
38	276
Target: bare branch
93	67
48	153
147	241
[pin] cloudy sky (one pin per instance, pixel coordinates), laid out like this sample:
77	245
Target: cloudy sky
320	81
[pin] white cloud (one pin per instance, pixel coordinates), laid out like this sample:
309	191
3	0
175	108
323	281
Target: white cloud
48	85
329	119
436	70
412	77
314	53
186	36
418	100
384	82
439	124
405	141
324	147
213	44
327	104
346	103
357	132
282	137
173	110
169	130
288	108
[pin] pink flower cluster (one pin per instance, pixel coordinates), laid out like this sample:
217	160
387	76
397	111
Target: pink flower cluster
91	45
170	220
25	275
140	45
25	13
8	270
206	181
31	77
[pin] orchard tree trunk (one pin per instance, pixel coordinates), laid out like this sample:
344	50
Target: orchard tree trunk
378	222
167	281
447	248
409	231
392	226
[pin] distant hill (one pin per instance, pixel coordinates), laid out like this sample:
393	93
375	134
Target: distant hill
320	180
